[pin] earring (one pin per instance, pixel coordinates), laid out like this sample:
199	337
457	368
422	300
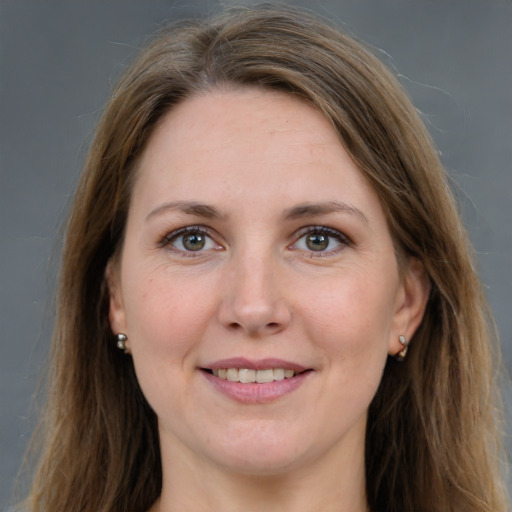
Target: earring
121	339
401	355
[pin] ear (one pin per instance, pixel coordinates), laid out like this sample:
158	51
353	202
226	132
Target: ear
116	314
410	305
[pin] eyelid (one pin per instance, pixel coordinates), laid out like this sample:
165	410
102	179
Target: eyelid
174	233
167	240
341	237
171	235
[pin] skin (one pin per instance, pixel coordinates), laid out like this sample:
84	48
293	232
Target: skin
259	160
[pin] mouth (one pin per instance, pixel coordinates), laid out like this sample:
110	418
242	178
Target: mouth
255	381
250	381
250	375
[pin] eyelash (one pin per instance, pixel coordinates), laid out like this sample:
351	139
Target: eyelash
342	239
172	237
330	233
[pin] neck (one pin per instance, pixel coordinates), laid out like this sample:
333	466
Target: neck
334	484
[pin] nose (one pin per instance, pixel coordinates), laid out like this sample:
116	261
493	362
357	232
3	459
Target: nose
253	301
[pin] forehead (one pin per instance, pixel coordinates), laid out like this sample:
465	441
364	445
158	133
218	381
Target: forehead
248	142
229	119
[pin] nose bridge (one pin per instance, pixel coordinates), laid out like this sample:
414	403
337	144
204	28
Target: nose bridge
253	299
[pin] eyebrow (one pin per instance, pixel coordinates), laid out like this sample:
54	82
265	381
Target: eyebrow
299	211
188	207
312	209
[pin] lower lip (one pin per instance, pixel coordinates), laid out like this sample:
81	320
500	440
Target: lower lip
255	393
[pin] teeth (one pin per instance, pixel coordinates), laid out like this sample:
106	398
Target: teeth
264	376
232	375
246	375
279	374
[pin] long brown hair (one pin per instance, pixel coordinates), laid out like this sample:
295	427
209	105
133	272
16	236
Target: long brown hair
432	440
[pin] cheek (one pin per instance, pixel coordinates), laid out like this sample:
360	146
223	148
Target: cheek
166	318
165	314
351	314
351	323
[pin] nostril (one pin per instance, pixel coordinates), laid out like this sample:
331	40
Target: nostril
271	326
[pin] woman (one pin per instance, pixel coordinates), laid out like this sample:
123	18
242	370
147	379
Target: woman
266	299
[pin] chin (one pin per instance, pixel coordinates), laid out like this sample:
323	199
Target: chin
262	464
263	453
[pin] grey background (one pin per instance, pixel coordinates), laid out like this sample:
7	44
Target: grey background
58	62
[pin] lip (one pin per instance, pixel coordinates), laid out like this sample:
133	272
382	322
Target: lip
260	364
256	393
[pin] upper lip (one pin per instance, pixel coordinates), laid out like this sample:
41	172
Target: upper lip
259	364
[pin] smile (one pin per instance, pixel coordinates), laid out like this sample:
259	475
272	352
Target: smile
250	381
248	375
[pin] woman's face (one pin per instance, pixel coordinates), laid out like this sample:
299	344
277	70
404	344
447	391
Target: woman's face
256	250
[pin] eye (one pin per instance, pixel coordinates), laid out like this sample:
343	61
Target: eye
320	239
191	239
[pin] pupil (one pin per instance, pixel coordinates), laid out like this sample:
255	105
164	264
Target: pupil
317	242
193	242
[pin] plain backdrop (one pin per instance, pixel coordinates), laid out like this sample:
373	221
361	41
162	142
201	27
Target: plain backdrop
59	61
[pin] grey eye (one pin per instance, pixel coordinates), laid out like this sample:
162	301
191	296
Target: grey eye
321	240
317	242
193	241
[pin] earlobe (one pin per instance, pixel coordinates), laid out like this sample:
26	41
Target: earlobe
412	302
116	315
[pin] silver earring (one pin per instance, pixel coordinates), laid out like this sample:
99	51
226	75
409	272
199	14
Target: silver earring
121	339
401	355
